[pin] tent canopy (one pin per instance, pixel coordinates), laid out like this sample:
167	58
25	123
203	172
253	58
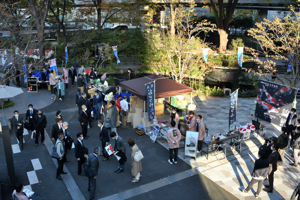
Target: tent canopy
164	87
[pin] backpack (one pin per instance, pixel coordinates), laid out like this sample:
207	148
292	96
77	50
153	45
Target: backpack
284	143
87	169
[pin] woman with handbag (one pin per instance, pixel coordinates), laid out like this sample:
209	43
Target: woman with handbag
136	157
58	116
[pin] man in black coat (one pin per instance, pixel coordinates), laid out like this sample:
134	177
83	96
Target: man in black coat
273	158
30	117
94	167
291	122
44	78
55	129
17	122
40	125
80	82
89	106
84	120
80	150
104	138
72	74
120	148
75	65
259	174
78	95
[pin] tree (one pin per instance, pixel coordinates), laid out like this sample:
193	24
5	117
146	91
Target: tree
58	10
39	10
180	51
277	40
223	11
18	36
113	10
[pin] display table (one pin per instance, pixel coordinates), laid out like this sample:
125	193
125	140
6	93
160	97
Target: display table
213	145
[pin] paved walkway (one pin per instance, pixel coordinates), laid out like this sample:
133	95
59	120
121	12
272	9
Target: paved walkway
234	172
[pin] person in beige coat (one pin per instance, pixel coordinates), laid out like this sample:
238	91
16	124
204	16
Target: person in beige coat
175	117
173	137
192	122
136	167
52	84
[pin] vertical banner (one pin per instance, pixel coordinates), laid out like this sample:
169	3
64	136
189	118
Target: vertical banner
274	102
53	67
191	143
290	63
115	49
66	54
25	76
205	54
150	89
240	56
232	110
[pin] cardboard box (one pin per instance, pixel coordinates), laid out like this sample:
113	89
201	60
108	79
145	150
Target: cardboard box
139	131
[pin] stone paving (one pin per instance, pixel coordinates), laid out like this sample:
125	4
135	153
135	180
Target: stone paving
234	172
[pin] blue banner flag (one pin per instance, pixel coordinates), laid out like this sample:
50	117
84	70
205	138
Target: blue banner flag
290	63
232	110
25	77
66	54
240	56
53	67
115	49
150	89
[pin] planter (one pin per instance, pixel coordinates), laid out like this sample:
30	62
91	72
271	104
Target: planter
223	75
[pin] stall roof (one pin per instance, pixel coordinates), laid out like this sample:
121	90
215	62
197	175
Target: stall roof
164	87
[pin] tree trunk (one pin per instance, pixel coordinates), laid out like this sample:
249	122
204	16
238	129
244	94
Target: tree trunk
58	24
173	15
99	24
41	28
223	40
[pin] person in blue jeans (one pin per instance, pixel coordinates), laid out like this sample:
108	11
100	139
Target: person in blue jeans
97	104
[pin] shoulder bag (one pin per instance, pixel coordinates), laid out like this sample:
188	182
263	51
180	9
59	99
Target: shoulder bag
54	153
138	156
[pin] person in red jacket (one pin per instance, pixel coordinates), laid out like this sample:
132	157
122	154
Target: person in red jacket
118	104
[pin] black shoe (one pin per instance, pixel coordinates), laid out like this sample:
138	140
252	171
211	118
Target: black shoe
267	186
80	174
59	178
244	191
117	170
67	161
89	189
268	190
63	172
122	170
293	164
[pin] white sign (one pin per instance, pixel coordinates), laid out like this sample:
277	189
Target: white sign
191	143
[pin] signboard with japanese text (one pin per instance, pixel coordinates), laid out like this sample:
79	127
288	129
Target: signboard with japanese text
232	110
191	143
150	89
274	102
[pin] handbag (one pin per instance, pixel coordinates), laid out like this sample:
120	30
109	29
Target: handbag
138	156
54	153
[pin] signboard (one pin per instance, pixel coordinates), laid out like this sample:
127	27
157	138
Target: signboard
191	143
274	102
240	56
53	67
150	89
232	110
154	133
109	149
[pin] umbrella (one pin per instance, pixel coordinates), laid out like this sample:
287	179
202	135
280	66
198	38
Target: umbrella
8	92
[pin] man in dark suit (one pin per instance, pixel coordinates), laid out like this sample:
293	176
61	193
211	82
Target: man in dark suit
44	78
81	101
75	65
80	150
93	74
30	116
103	138
72	74
40	125
88	105
97	103
78	95
94	167
17	122
84	120
291	122
64	131
80	82
273	158
55	129
119	150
